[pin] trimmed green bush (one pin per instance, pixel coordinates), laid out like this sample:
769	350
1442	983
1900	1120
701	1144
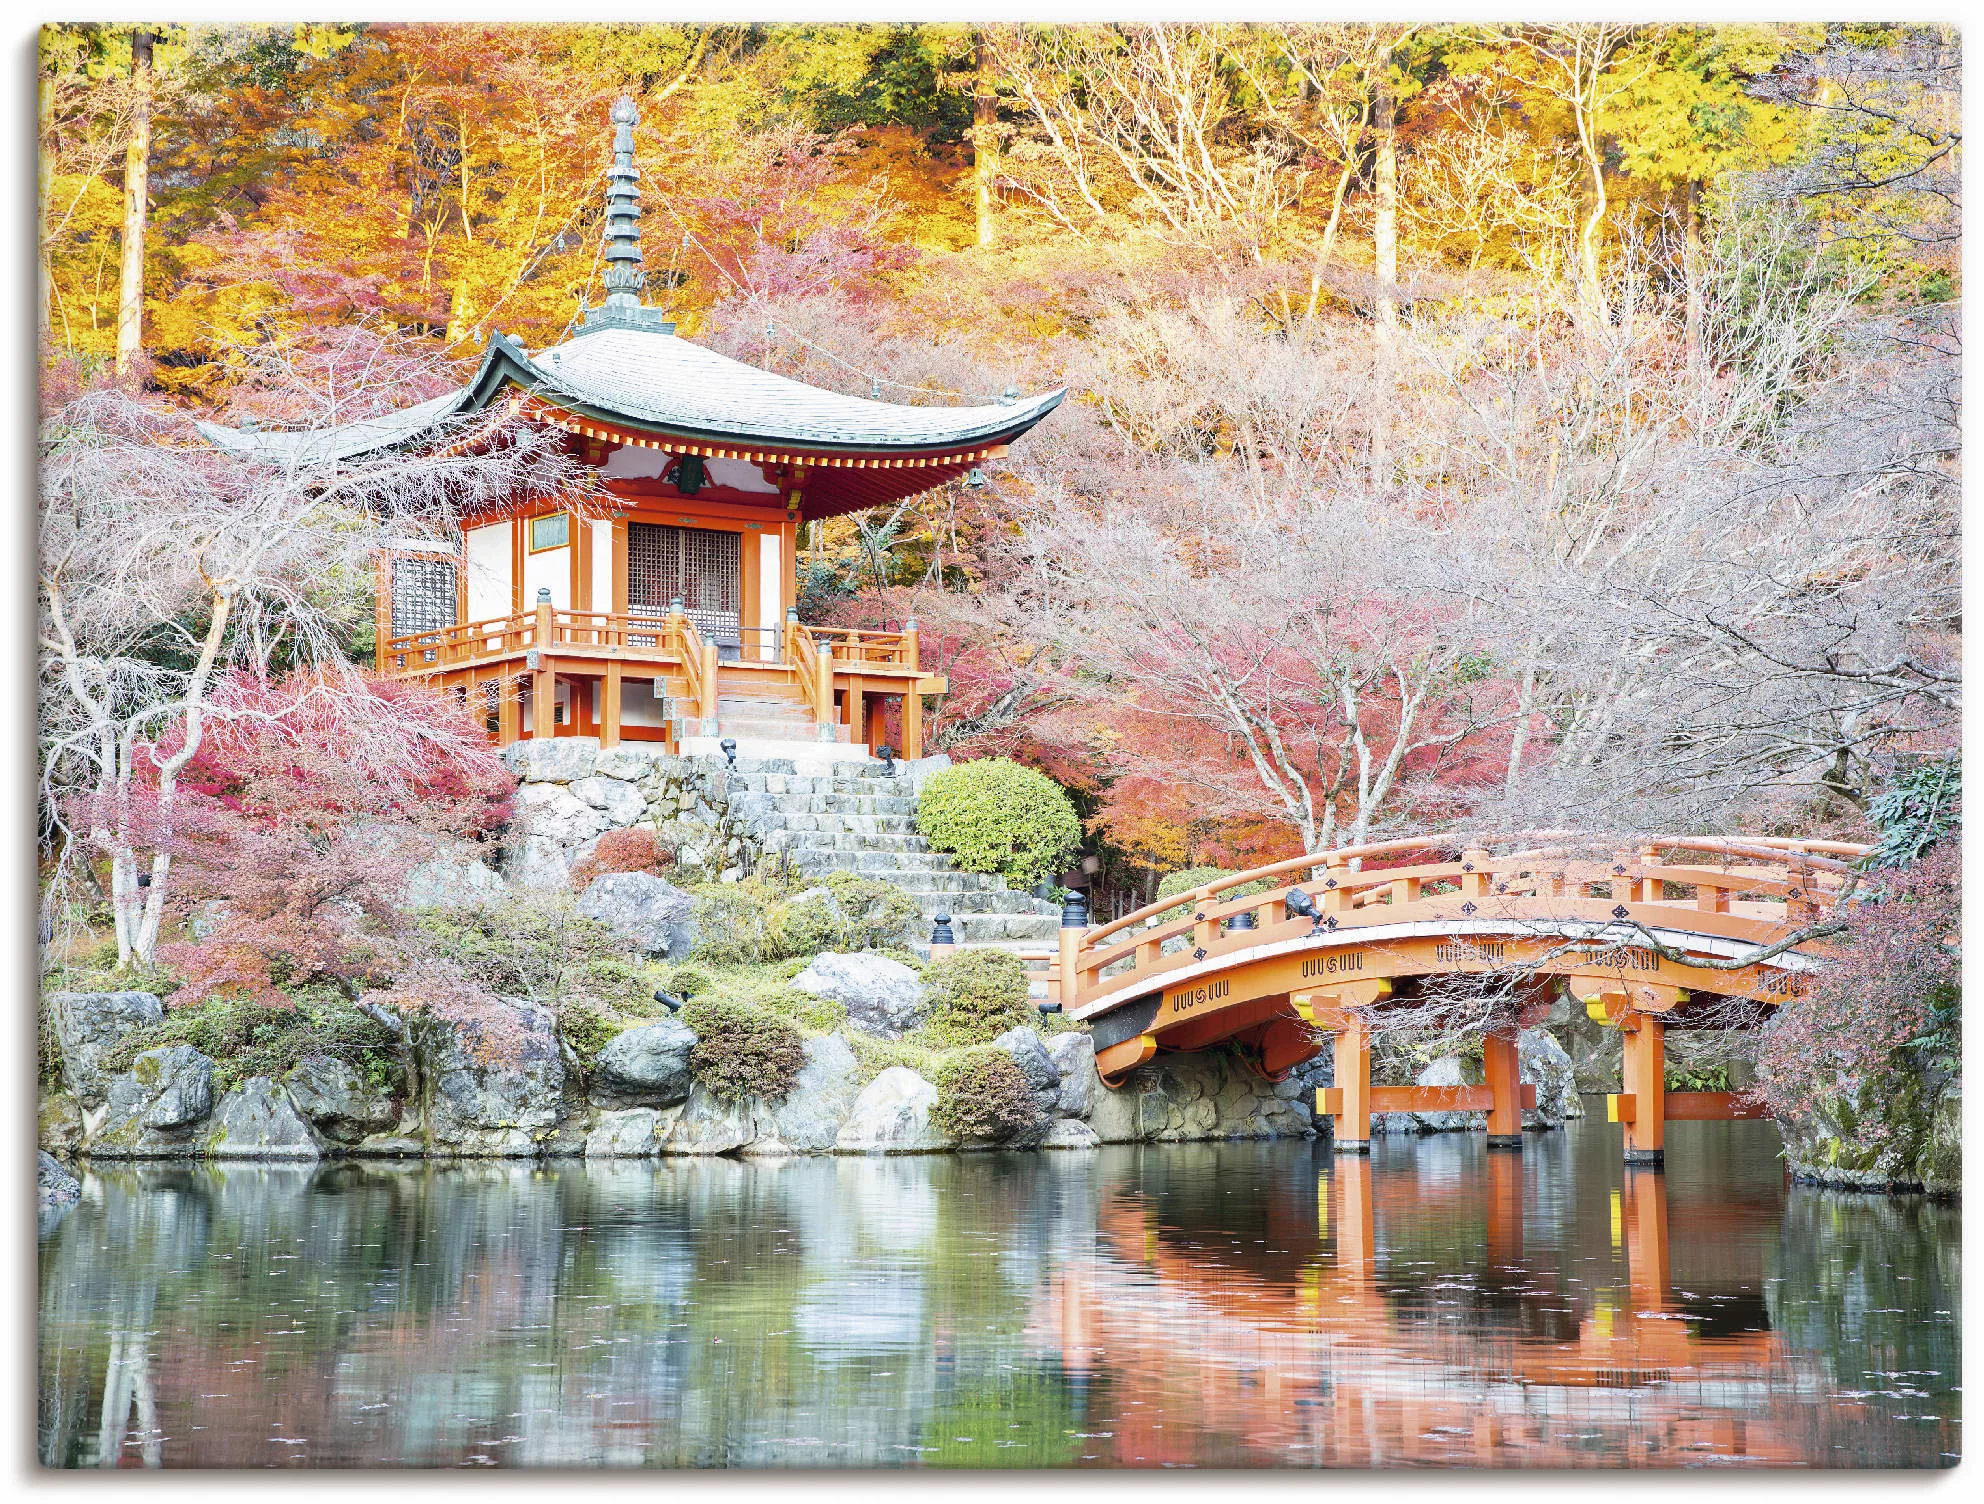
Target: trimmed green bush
743	1050
982	1094
976	995
999	817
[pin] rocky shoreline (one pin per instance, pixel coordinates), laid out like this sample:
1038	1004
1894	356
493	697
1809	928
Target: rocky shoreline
639	1099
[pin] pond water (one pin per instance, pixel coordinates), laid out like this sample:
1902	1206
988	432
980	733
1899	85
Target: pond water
1219	1306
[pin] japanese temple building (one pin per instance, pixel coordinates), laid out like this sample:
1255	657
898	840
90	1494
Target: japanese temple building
668	614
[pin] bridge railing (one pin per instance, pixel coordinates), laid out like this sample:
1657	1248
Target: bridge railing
1760	886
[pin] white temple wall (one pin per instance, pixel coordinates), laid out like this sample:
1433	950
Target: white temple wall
550	567
489	571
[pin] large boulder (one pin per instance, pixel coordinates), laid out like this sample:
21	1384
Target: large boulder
1898	1130
495	1086
89	1023
648	1063
152	1109
1448	1070
629	1132
1069	1133
892	1116
553	812
621	802
456	878
710	1124
333	1097
257	1120
1545	1064
1073	1055
60	1126
552	759
537	863
644	910
630	762
1024	1048
882	996
808	1120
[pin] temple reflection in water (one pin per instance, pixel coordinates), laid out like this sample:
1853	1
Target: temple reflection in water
1213	1305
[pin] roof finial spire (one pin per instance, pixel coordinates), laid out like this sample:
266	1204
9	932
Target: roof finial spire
624	278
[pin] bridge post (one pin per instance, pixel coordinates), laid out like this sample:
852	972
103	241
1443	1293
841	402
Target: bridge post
1353	1080
1645	1083
1501	1074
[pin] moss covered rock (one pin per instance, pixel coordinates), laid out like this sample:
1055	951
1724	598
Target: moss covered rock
1900	1131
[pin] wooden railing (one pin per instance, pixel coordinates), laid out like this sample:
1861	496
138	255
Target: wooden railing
1759	887
667	636
856	650
814	663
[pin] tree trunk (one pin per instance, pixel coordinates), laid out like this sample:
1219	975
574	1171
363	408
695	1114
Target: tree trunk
137	186
984	138
1691	268
1384	119
1385	230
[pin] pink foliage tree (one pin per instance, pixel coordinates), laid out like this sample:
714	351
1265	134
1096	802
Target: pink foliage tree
297	820
1895	987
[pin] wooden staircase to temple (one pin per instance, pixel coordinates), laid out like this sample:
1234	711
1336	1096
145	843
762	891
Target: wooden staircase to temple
754	705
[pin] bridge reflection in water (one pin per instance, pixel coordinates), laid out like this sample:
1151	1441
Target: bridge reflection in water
1354	1328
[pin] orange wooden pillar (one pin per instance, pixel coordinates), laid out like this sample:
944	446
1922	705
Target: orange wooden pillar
912	701
1643	1108
1502	1076
1353	1081
609	707
509	709
544	677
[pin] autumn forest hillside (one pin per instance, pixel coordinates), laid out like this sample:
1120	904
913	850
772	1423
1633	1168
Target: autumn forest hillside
1524	426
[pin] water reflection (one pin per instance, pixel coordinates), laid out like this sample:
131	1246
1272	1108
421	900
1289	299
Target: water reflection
1197	1305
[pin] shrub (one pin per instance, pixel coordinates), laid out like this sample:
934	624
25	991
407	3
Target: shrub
823	1015
976	995
743	1050
855	913
733	920
686	982
874	1054
982	1094
586	1030
245	1037
996	816
640	849
538	947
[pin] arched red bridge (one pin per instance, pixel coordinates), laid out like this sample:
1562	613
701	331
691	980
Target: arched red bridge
1674	932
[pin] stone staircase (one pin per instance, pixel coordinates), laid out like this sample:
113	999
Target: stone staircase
850	818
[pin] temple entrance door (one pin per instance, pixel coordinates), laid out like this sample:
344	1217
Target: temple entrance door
702	567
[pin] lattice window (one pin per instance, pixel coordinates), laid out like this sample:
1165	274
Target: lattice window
702	566
423	595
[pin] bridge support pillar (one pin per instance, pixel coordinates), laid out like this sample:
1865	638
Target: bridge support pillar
1353	1080
1501	1075
1645	1082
